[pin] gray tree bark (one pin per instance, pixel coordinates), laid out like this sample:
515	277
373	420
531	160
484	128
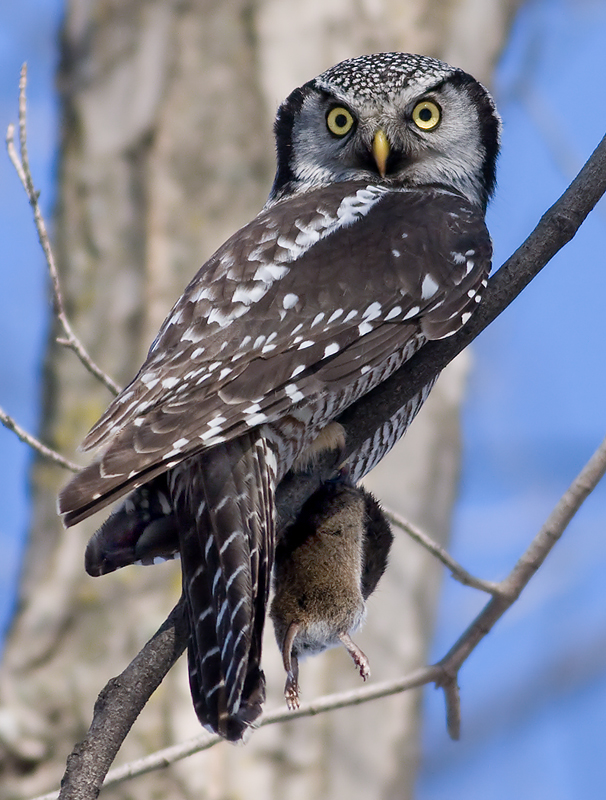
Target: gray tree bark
166	150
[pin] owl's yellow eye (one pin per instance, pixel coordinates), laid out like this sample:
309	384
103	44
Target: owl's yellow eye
426	115
339	121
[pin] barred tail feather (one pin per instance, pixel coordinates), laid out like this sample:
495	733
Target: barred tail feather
224	504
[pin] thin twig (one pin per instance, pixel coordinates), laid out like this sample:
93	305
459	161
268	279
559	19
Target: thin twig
204	741
538	550
452	701
22	167
36	444
458	572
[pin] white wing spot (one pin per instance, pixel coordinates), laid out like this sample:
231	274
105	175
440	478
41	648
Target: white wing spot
428	288
318	318
268	273
306	343
465	317
335	315
412	312
470	266
330	350
256	419
353	313
372	312
197	352
395	311
471	293
307	237
395	253
212	436
201	293
168	383
223	320
192	334
249	294
290	300
458	258
292	390
364	327
297	370
149	379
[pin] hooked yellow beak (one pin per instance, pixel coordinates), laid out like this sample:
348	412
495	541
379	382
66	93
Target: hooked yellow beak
380	151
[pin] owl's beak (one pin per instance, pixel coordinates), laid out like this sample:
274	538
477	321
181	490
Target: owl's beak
380	151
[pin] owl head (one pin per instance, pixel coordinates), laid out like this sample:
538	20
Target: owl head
402	120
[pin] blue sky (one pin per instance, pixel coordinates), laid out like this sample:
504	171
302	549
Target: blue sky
26	34
534	693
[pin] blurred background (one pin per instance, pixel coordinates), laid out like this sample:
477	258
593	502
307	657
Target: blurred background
534	693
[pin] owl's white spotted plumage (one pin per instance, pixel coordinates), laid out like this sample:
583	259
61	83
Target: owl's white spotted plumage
372	242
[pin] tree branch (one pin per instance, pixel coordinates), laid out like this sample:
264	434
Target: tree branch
460	574
22	167
36	444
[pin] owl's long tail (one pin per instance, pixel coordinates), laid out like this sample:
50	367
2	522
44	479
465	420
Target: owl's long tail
223	500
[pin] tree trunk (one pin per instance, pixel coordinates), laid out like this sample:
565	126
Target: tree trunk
166	150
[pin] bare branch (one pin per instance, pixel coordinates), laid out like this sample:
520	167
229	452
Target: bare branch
36	444
458	572
169	755
22	167
452	699
558	520
538	550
